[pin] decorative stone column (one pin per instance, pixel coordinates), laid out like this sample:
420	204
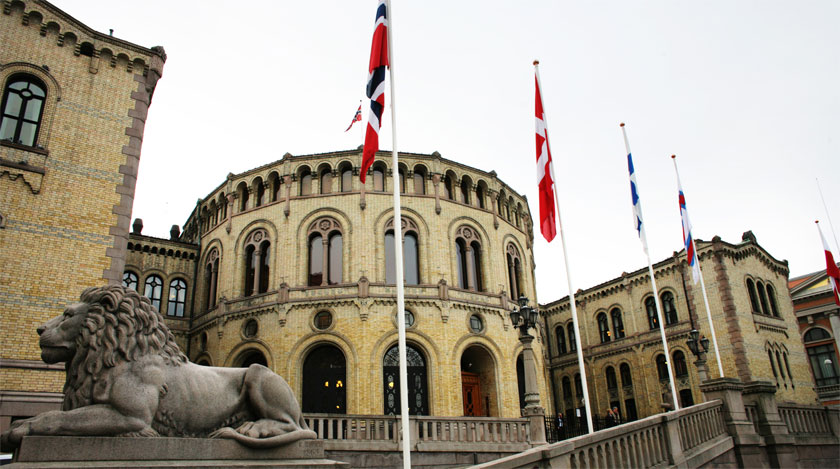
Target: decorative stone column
532	411
435	184
287	180
779	444
748	450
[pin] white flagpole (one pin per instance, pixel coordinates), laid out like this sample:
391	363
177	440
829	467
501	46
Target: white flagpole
587	405
702	284
827	215
398	253
655	291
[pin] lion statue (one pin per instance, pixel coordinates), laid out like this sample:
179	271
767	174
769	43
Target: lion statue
126	376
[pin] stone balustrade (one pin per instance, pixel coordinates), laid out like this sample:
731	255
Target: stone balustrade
704	424
805	420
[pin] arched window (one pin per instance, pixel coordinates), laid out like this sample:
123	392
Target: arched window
468	259
823	361
154	290
816	334
243	193
223	203
578	386
347	179
561	340
567	388
411	259
211	279
603	328
771	297
274	181
669	308
773	366
418	394
762	298
680	367
618	324
787	367
326	181
378	179
447	188
324	381
612	383
250	357
480	195
23	105
572	340
130	280
257	254
753	296
781	368
650	307
626	376
419	180
326	248
662	368
259	190
401	173
514	267
305	182
177	298
465	190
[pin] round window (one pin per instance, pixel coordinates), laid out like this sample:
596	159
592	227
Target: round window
323	320
251	328
409	318
476	324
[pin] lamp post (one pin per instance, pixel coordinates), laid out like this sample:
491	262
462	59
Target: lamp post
699	346
523	319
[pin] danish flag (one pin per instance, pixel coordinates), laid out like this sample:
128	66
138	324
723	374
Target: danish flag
376	87
545	172
831	268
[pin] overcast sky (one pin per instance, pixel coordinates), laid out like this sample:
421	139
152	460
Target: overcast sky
746	93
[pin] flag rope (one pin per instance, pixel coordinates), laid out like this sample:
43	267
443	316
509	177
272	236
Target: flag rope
586	406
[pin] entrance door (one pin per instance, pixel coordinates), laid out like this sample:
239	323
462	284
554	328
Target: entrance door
418	402
471	390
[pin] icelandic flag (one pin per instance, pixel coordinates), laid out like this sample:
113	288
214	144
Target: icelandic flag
687	238
376	87
637	204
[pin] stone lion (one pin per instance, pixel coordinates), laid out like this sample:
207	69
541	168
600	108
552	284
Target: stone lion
126	376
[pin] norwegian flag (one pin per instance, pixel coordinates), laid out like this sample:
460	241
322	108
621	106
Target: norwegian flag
687	238
545	172
831	268
376	87
356	117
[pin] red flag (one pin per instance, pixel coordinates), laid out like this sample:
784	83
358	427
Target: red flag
375	87
831	269
545	173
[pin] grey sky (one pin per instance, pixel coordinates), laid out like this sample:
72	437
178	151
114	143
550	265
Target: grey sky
744	92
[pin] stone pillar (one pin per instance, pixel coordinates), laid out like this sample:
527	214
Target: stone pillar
495	213
325	260
362	190
287	180
257	268
747	442
676	456
214	275
779	444
435	184
834	320
532	411
470	264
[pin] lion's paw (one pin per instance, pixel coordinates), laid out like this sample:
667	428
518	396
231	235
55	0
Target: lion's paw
263	428
11	437
224	432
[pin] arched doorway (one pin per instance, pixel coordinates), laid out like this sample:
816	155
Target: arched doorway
478	383
418	393
325	381
250	357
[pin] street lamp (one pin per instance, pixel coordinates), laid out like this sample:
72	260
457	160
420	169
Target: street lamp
523	319
699	346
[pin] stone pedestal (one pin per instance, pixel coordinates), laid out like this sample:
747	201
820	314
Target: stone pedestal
748	448
536	424
100	452
779	443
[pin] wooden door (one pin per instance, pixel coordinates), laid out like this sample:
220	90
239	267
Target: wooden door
471	388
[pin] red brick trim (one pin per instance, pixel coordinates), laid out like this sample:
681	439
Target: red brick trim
142	99
733	329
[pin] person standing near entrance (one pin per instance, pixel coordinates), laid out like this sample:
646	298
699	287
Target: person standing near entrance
558	426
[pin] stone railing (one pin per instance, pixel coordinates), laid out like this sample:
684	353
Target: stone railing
805	420
690	436
428	433
752	415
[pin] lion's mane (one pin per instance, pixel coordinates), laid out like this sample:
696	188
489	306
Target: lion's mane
121	326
